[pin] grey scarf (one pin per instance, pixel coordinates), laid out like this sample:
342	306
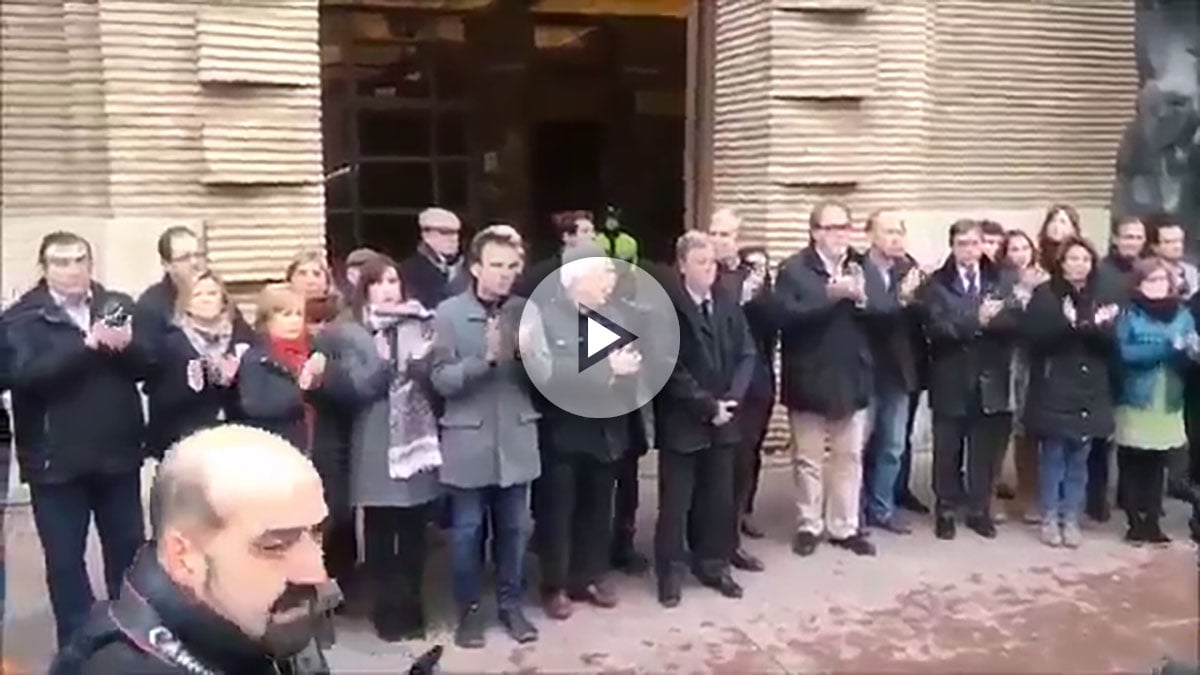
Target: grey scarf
412	425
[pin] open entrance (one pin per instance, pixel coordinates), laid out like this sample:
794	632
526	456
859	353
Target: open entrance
503	111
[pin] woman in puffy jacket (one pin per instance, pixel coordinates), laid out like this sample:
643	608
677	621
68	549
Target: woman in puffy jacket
1157	338
1070	324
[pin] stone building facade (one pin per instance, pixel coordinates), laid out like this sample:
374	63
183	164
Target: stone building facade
121	117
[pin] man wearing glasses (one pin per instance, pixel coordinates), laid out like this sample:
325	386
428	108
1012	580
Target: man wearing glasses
822	299
434	271
182	257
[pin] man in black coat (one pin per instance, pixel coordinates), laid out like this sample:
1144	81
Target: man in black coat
971	321
822	294
182	257
744	274
79	425
1114	281
434	271
696	429
233	577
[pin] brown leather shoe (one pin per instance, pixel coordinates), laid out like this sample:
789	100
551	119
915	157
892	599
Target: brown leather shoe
557	606
597	594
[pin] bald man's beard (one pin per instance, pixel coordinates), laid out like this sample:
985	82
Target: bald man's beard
291	619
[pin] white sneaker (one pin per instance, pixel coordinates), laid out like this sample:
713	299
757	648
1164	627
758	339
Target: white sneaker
1051	534
1072	537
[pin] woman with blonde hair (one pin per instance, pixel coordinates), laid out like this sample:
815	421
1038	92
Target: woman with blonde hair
199	363
278	375
309	275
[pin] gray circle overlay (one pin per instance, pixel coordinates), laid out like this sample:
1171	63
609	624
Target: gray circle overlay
552	337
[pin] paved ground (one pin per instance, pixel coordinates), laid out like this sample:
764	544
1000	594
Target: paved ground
1010	605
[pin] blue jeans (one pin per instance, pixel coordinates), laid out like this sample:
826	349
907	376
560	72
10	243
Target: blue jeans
509	507
1062	477
62	513
885	450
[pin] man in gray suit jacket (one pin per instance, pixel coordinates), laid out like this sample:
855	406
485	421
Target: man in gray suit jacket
489	432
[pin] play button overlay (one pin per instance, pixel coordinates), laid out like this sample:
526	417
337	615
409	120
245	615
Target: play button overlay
598	337
601	337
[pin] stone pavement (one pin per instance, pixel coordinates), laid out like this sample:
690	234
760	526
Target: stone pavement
1011	605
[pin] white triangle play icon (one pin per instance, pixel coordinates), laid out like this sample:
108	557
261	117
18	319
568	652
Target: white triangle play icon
598	336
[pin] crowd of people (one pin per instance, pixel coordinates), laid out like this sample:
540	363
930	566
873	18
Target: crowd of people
406	385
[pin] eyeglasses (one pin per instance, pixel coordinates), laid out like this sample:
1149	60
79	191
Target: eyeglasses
446	231
195	256
67	261
837	227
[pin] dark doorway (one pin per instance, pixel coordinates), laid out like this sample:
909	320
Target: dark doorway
565	175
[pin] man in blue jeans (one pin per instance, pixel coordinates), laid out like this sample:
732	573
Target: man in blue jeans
489	433
78	422
892	276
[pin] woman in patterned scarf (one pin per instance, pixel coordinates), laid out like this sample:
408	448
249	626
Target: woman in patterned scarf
381	365
199	363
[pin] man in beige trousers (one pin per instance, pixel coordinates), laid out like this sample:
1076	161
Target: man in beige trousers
824	298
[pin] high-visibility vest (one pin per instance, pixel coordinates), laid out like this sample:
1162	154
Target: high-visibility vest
618	244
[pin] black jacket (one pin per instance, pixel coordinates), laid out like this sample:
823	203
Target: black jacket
561	432
716	362
1070	388
971	365
827	359
426	283
889	324
5	380
536	274
761	318
1114	278
77	410
154	320
270	398
176	409
115	638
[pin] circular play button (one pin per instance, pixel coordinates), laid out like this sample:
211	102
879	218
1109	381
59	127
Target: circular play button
599	337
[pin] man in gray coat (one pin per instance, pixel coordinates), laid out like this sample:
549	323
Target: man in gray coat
489	432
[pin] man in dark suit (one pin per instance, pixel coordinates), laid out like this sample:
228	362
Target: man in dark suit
696	431
743	275
971	322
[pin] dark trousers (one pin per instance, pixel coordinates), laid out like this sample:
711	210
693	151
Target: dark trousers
902	488
626	502
1097	476
700	481
340	545
752	418
1188	466
981	438
1143	480
62	513
394	540
575	520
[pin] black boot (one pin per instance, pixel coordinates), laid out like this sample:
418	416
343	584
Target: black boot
1137	528
1153	533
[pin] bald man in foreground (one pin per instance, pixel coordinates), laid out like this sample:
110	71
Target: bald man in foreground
231	580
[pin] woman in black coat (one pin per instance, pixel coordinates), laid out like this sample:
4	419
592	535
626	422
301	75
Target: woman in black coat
1070	325
197	364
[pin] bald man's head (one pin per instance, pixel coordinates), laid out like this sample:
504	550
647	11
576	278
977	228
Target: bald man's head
238	516
206	473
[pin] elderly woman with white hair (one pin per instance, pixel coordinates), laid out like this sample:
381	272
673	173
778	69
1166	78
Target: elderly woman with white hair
580	454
